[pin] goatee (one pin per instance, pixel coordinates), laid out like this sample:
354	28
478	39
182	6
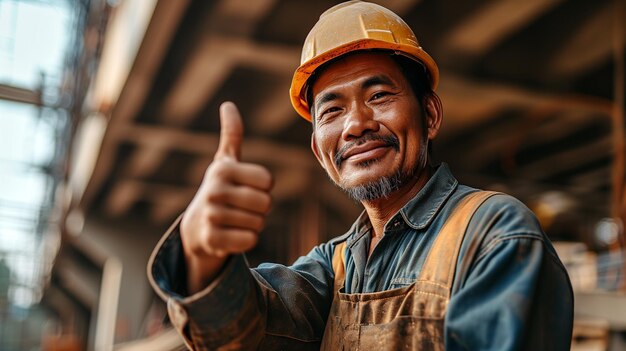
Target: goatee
378	189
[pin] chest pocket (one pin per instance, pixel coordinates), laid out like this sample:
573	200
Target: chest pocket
405	318
401	282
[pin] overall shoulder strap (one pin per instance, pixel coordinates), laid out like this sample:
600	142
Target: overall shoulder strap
440	265
339	265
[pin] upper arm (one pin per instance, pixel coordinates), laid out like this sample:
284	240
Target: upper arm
514	290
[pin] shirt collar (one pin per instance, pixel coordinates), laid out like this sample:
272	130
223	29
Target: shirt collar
361	226
421	209
419	212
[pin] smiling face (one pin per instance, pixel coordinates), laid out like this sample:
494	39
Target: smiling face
368	132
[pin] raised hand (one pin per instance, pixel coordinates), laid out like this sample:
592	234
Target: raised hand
228	211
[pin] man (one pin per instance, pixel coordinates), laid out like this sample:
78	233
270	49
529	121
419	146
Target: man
430	264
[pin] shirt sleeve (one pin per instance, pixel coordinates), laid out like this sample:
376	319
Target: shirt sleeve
516	294
270	307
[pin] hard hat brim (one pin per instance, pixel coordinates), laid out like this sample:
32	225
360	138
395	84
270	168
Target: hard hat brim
304	72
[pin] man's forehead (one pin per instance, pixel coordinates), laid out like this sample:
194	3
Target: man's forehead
354	66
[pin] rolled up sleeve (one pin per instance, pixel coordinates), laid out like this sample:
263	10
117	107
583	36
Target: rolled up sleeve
271	307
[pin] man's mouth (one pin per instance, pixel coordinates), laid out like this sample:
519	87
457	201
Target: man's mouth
365	148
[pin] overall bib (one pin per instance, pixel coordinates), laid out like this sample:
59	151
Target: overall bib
408	318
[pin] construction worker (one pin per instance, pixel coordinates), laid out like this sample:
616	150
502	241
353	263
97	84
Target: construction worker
429	265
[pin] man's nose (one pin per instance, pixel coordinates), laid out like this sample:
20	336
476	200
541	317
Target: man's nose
359	121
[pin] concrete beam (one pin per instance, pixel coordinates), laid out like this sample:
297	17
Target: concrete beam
586	48
275	113
165	19
467	102
144	161
126	192
239	16
209	66
253	149
563	161
531	132
487	27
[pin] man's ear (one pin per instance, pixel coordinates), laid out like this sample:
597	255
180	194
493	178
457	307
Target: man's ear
434	114
315	150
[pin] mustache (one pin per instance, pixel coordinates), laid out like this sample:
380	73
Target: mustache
388	140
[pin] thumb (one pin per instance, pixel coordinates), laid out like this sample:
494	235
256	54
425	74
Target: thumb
231	132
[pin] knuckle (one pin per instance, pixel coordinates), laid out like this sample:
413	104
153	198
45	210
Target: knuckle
214	215
267	202
216	193
214	241
261	224
218	170
249	240
267	178
257	223
196	249
262	175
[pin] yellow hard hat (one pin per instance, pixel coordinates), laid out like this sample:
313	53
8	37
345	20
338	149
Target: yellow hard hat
353	26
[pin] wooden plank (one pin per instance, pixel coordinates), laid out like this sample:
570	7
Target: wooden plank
144	161
240	16
203	75
588	47
253	149
199	81
467	102
122	197
126	192
561	162
593	179
496	21
275	113
13	93
494	143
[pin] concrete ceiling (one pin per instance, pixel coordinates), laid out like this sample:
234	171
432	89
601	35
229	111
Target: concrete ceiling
527	89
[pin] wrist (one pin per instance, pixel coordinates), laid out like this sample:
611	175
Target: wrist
202	270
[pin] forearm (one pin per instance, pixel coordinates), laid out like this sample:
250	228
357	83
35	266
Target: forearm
229	312
273	307
219	312
274	304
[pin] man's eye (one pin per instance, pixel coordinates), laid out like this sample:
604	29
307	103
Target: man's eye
330	110
379	95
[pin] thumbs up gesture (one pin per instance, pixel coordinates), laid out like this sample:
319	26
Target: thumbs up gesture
228	211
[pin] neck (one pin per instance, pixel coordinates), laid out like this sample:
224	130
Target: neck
380	211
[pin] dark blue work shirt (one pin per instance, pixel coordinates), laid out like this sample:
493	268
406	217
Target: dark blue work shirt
511	291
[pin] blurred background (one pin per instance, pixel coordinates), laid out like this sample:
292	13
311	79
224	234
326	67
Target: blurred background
109	117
